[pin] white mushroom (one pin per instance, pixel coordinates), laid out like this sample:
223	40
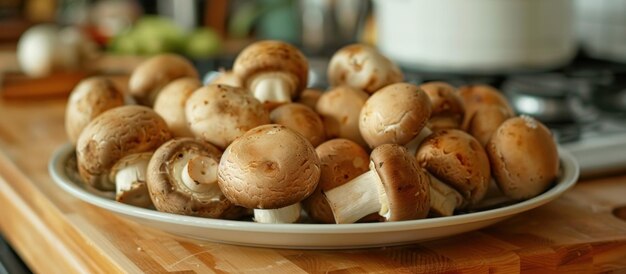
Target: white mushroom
129	175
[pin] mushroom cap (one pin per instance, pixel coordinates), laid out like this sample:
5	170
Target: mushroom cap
272	56
485	122
341	160
219	113
90	98
169	193
228	78
269	167
448	109
524	157
114	134
405	183
394	115
170	104
302	119
456	158
309	97
363	67
153	74
475	96
340	108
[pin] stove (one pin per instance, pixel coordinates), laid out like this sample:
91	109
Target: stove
584	104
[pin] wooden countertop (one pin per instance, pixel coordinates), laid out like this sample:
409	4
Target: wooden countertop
55	232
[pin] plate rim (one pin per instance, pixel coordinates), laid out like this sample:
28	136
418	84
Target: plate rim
56	169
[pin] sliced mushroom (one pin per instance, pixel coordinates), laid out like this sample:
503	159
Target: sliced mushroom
170	104
485	122
152	75
309	97
182	179
476	96
524	157
396	114
395	187
341	160
90	98
274	71
129	175
448	109
362	67
219	113
269	167
456	158
302	119
340	108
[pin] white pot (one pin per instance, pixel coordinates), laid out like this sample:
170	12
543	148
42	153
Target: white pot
601	28
476	36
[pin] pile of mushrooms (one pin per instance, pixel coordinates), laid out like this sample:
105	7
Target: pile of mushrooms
256	144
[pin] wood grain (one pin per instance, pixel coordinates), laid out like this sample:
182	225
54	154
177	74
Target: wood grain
57	233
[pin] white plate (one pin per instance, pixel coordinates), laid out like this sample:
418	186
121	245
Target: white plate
306	236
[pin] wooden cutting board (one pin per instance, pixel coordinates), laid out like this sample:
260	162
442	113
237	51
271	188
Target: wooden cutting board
55	232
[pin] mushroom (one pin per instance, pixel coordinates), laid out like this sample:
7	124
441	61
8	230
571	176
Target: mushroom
114	134
341	160
485	122
90	98
395	187
129	175
152	75
301	119
476	96
340	108
457	159
182	179
226	77
396	114
309	97
219	113
274	71
269	167
524	157
448	109
170	104
362	67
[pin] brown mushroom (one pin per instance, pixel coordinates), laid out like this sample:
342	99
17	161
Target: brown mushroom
114	134
301	119
457	159
448	109
129	175
182	179
309	97
485	122
274	71
362	67
341	160
395	187
90	98
269	167
396	114
340	108
524	157
152	75
218	113
226	77
476	96
170	104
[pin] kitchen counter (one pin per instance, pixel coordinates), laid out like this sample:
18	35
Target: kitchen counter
54	232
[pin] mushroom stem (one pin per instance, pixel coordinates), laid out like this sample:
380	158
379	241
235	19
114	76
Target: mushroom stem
443	199
200	173
273	87
414	144
130	184
358	198
283	215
